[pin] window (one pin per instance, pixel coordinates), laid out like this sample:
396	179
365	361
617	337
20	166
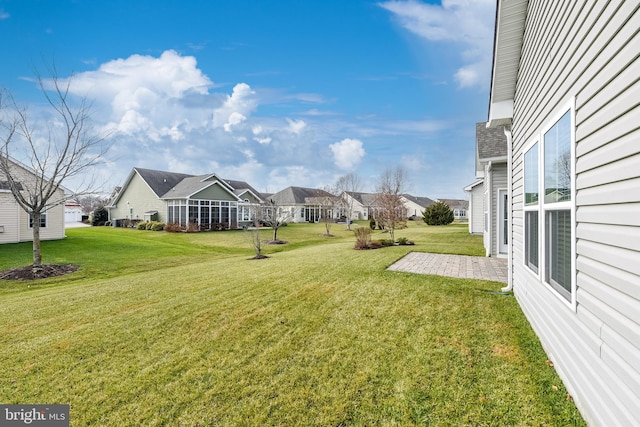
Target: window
548	215
557	205
43	219
531	210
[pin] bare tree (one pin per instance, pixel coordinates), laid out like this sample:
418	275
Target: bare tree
275	216
327	205
66	149
253	232
349	183
91	202
391	211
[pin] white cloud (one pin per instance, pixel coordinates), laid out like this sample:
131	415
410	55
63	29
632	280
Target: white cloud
263	140
235	119
3	14
296	126
347	153
464	22
242	102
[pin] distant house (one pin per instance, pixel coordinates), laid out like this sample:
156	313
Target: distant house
565	86
72	212
206	201
363	204
459	208
15	223
475	214
488	195
303	204
415	205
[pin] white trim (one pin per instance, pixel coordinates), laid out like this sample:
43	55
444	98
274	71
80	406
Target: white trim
542	208
500	221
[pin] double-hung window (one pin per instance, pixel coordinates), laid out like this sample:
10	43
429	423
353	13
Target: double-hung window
43	219
548	205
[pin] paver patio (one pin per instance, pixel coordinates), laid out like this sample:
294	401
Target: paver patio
469	267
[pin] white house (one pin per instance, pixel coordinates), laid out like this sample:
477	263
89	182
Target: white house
415	205
304	204
15	225
488	195
566	85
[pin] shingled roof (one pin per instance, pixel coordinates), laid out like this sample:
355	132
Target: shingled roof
161	181
491	143
420	201
297	195
365	199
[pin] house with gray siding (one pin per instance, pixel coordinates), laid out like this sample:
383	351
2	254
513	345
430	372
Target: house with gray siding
566	87
207	201
488	196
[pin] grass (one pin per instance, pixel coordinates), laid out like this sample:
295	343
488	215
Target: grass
184	329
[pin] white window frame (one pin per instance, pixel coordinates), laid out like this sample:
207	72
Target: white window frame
43	218
531	208
543	208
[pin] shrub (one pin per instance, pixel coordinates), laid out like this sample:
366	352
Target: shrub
403	241
363	237
438	213
173	228
107	224
150	225
142	225
192	227
100	216
157	226
386	242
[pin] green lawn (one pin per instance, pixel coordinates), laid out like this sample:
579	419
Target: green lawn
183	329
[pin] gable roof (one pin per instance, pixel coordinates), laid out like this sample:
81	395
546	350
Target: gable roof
180	185
491	143
456	203
365	199
241	187
297	195
193	184
160	181
420	201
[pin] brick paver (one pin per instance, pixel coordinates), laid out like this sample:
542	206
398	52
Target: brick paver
470	267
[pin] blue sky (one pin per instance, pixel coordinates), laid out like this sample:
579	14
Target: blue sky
276	93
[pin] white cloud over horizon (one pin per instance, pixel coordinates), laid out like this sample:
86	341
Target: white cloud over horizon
463	22
347	153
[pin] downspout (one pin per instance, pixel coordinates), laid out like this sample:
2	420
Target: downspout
509	287
488	197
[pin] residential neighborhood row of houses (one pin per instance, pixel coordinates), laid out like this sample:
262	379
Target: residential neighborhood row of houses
202	200
209	199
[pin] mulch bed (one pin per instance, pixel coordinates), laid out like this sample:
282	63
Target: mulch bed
46	271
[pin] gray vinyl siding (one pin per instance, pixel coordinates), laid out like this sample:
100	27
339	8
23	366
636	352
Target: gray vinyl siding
476	219
588	50
498	182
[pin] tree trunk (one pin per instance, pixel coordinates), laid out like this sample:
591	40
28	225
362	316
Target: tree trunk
275	233
35	226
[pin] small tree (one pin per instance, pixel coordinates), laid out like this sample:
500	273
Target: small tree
438	213
63	148
100	216
349	183
390	210
274	216
253	233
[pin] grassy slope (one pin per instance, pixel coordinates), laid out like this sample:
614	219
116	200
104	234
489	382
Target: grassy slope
164	329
